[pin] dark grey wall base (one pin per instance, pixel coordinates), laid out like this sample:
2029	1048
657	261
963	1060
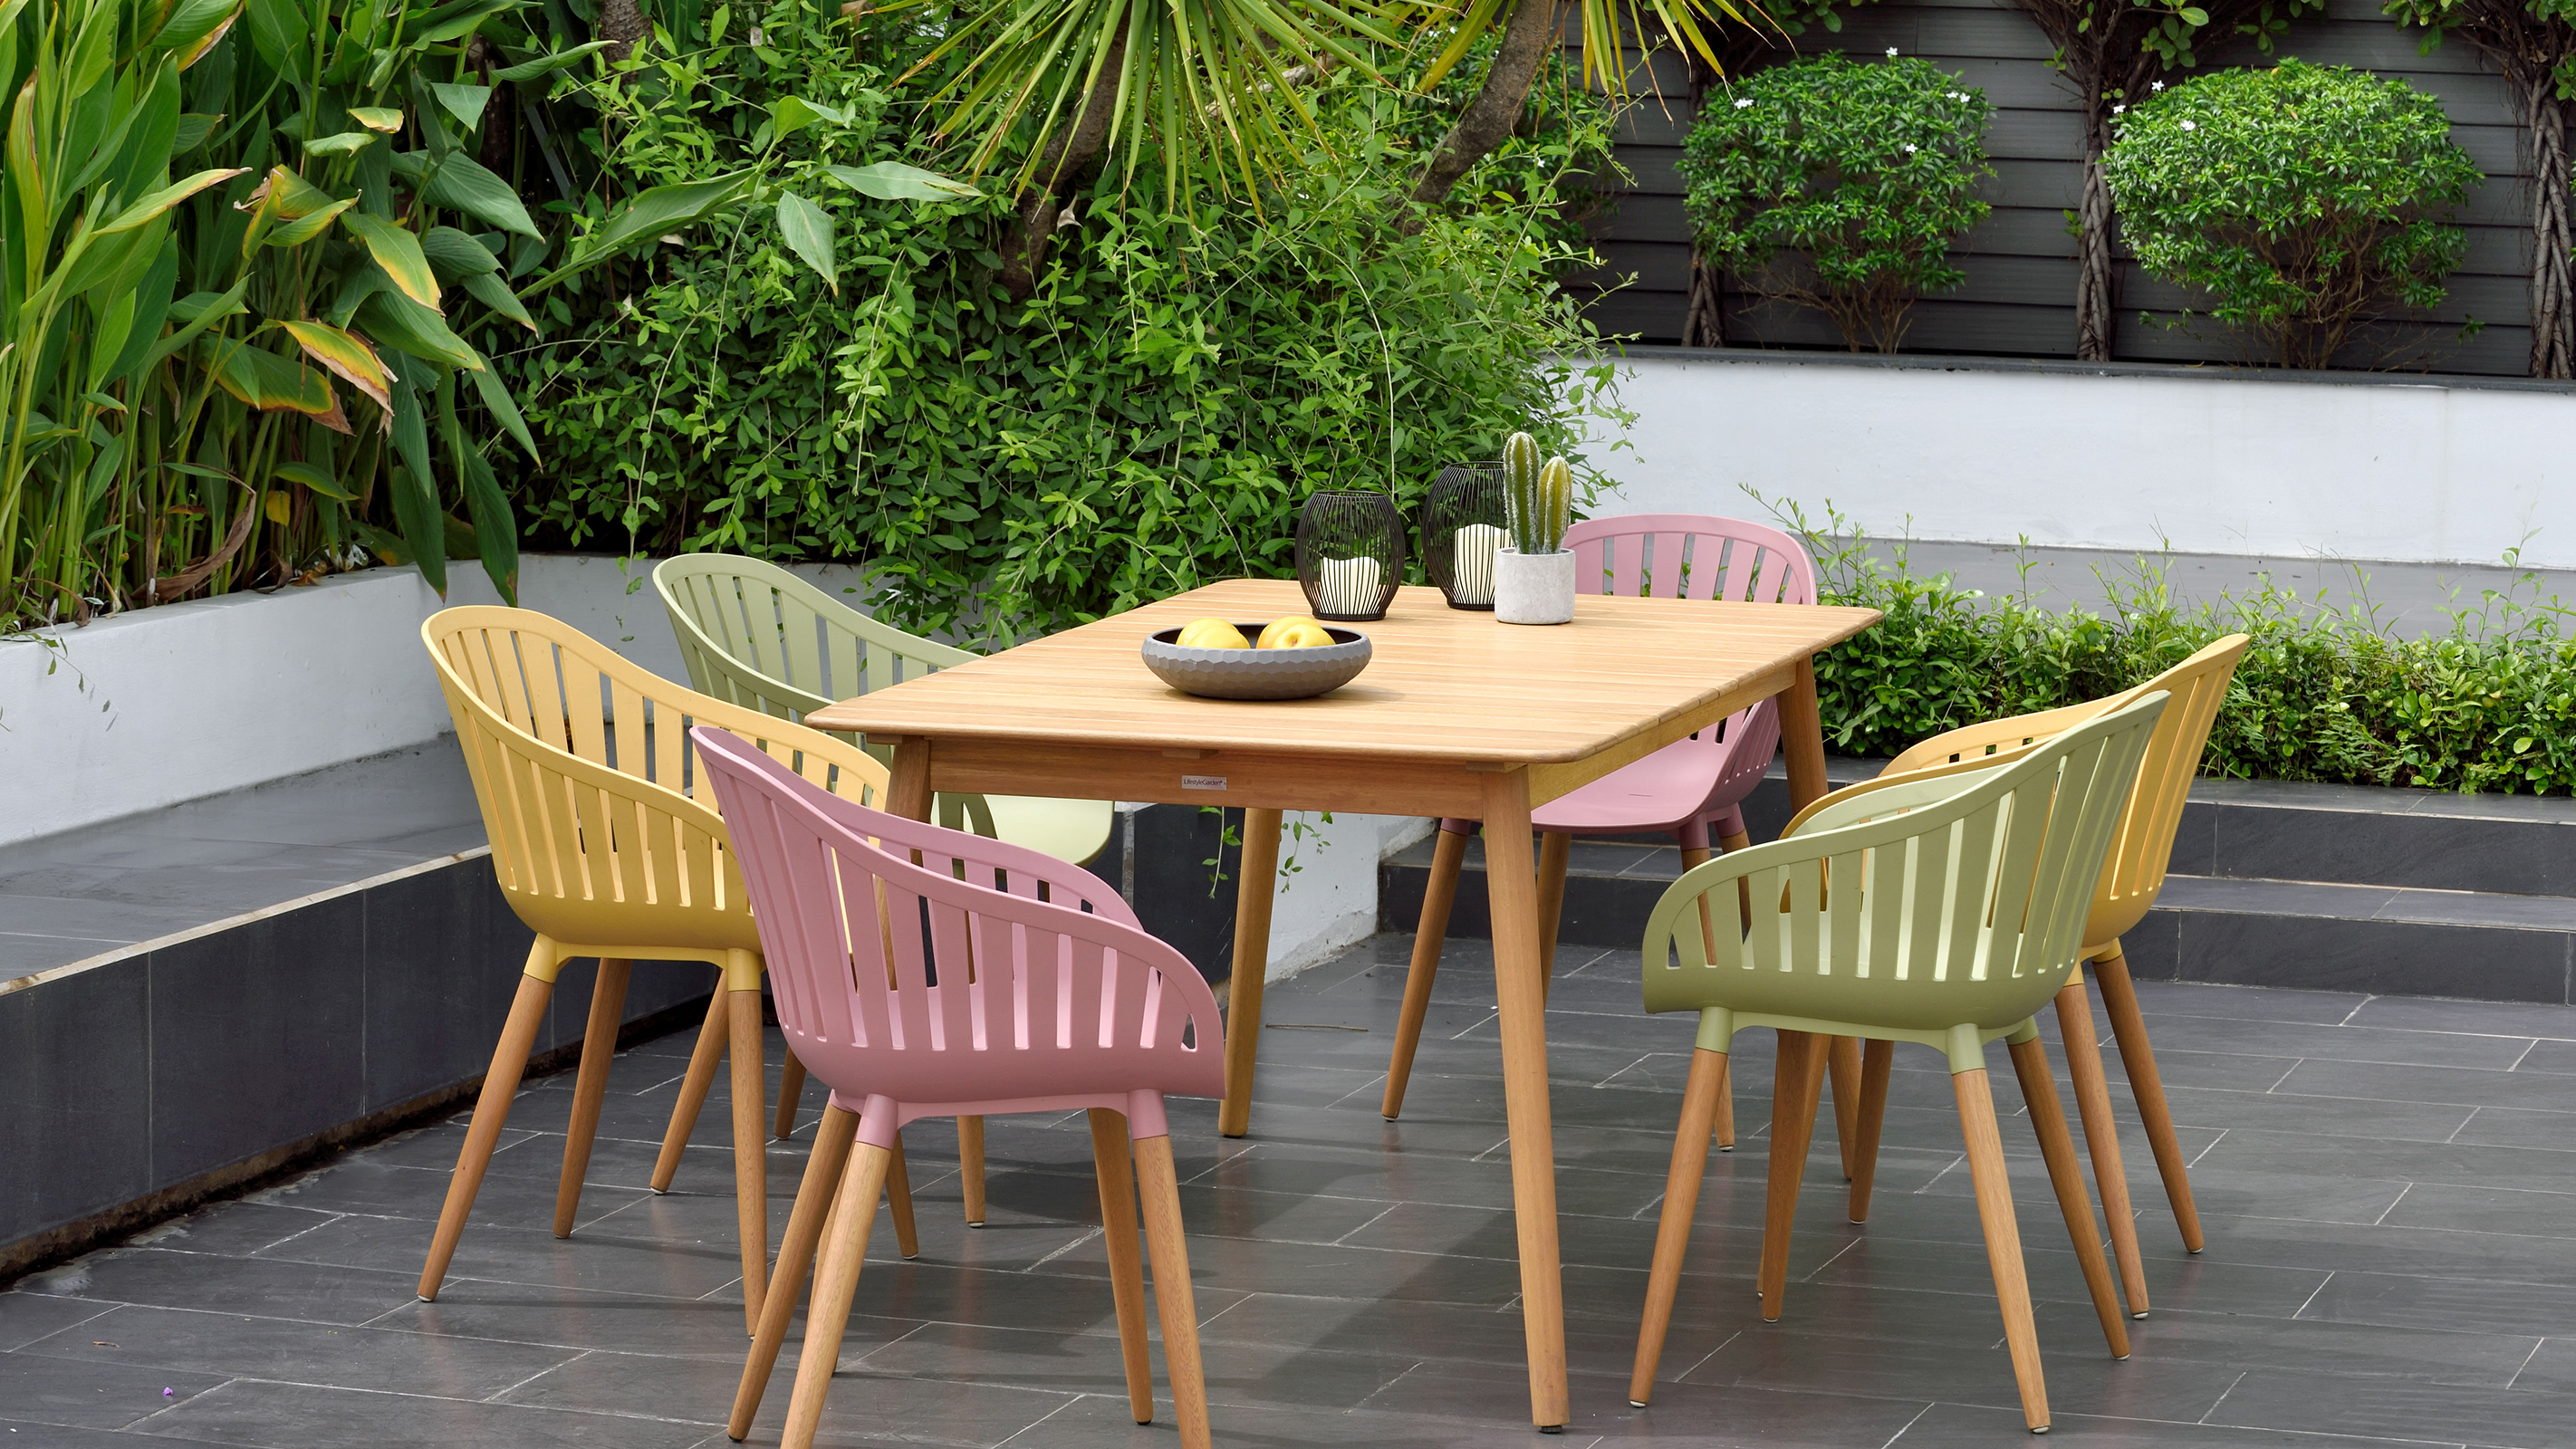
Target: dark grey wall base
191	1066
1158	858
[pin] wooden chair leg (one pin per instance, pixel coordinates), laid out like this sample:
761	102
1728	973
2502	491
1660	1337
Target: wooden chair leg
590	1087
2138	1058
2102	1136
1738	840
1555	850
835	1286
1877	1060
791	1096
1448	857
1793	1127
907	1240
1725	1128
1673	1228
2003	1239
805	1227
750	1151
1114	1166
2057	1149
1842	1059
491	1111
694	1086
970	1167
1173	1301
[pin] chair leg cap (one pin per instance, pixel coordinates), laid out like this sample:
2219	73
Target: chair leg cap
1636	1403
1729	1147
2137	1315
1551	1428
2039	1428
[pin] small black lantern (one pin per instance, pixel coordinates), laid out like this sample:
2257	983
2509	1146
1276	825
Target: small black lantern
1463	527
1350	554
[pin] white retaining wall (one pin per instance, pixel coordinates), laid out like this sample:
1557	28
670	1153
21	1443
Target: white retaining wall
2199	460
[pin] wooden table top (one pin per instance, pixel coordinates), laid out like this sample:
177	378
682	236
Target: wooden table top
1442	684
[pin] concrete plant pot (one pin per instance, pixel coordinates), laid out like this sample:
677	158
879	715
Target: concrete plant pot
1534	588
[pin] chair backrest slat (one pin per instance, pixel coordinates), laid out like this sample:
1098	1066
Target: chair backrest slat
756	635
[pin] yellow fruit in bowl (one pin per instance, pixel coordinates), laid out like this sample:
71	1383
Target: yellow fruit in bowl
1270	635
1299	634
1211	634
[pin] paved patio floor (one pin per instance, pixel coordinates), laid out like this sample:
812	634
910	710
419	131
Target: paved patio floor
2389	1186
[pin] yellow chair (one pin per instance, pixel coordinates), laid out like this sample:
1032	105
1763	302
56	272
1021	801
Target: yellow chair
582	767
2133	874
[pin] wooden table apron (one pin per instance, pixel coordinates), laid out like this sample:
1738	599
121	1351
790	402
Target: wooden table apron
1456	716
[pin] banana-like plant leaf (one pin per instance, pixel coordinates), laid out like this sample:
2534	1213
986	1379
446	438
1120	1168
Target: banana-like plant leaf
648	215
315	478
194	25
342	144
454	19
415	497
454	255
151	308
286	195
497	400
894	181
399	253
278	28
193	129
460	183
272	383
297	233
808	232
348	355
496	532
488	289
406	326
387	119
162	200
546	64
465	103
196	312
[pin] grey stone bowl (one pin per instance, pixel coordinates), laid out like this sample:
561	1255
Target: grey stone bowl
1258	673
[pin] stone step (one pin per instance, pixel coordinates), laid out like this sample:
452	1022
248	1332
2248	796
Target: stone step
2316	935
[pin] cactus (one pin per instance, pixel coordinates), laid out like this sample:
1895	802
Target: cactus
1538	499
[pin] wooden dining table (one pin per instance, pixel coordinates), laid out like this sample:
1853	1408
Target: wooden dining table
1456	715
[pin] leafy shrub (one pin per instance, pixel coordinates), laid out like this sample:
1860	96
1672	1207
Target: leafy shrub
1866	171
2307	200
2322	694
1150	418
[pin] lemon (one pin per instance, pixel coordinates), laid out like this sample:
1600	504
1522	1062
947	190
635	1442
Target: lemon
1270	635
1211	634
1295	634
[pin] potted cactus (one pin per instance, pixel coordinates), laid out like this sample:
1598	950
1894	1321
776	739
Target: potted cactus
1534	573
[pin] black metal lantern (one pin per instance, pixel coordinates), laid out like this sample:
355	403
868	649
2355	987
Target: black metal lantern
1463	527
1350	554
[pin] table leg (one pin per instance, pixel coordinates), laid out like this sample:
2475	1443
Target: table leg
908	795
1802	737
1254	888
1522	994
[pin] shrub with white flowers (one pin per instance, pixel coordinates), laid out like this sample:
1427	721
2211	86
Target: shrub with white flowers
1840	185
2308	201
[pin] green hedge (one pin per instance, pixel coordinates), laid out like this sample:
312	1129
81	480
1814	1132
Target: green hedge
2324	693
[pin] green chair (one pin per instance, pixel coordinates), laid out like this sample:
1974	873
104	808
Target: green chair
1943	912
756	635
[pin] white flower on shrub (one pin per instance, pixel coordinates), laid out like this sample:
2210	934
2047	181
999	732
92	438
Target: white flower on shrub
2191	125
2156	86
1741	104
1891	52
2119	110
1909	150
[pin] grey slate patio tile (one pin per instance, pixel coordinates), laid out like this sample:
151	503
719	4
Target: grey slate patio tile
2401	1409
306	1290
26	1316
238	1345
91	1395
250	1412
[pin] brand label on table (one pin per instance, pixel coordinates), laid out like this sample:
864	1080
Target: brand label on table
1203	782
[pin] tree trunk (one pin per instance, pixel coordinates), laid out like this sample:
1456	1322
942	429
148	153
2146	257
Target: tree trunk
2096	299
621	24
1528	38
1704	325
2553	320
1068	155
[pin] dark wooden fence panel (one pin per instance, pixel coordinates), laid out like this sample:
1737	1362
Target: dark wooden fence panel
2019	296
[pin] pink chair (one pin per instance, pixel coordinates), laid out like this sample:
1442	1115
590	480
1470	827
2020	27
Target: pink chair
1688	789
926	972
